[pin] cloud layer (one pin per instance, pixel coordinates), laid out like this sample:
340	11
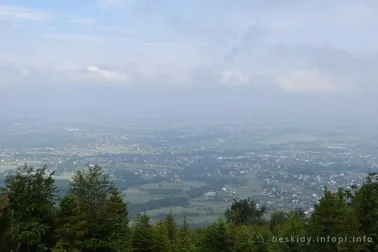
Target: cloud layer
299	48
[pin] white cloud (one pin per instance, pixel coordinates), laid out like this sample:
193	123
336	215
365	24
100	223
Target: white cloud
76	38
157	45
82	20
305	81
75	73
10	13
108	76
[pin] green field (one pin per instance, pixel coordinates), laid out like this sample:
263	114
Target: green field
137	167
137	196
121	150
140	194
175	211
182	185
257	141
180	212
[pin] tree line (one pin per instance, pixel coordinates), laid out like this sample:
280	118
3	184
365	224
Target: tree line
92	216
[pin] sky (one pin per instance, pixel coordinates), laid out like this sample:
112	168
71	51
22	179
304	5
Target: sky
145	56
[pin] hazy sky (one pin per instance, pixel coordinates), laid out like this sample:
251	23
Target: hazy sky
308	55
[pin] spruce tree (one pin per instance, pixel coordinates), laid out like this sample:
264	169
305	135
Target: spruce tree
294	227
161	238
31	200
170	225
117	222
104	211
242	237
244	212
71	225
184	241
218	237
8	233
365	209
277	219
327	220
142	235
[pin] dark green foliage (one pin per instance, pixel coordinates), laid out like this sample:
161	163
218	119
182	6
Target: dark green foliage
184	239
142	239
7	235
294	226
170	225
31	197
277	219
71	225
161	240
94	217
243	241
244	212
328	220
218	238
103	210
365	210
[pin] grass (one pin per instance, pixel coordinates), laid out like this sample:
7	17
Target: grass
179	211
183	185
248	142
123	150
137	167
253	182
218	207
139	197
175	211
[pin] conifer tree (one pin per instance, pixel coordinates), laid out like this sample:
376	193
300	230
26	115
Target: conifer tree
294	227
71	225
242	236
327	220
8	234
184	242
218	237
142	235
161	238
261	237
117	222
277	219
244	212
94	218
170	225
104	211
365	209
31	198
351	228
198	237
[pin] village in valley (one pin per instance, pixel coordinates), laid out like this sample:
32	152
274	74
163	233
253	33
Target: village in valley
197	171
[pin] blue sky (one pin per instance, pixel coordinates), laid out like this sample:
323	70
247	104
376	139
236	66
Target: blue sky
269	46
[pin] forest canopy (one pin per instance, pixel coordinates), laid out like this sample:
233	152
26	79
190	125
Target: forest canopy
92	216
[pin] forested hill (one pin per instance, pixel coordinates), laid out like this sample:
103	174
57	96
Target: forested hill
93	217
